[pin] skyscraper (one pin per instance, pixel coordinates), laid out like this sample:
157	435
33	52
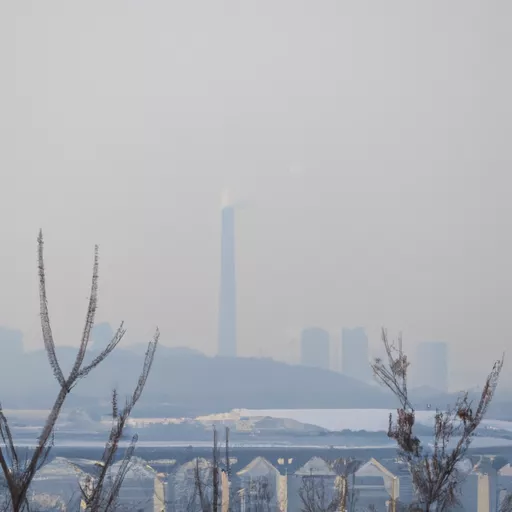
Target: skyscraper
430	367
314	347
355	361
227	302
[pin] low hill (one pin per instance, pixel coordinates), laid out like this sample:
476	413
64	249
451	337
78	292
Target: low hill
186	380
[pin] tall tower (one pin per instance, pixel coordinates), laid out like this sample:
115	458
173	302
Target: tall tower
227	303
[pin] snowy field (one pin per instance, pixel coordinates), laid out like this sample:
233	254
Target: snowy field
371	420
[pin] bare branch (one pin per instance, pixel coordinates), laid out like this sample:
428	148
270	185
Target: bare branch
5	433
199	487
89	320
434	474
20	475
100	497
115	406
148	363
83	372
49	344
10	478
113	491
393	374
42	461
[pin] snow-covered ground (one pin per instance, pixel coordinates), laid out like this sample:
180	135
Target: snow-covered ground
371	420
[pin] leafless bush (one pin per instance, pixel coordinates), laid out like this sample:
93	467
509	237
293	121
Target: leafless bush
435	474
19	471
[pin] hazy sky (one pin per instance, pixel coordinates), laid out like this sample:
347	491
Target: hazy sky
368	141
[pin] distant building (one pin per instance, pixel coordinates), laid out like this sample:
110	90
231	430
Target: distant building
227	302
56	486
314	486
355	361
182	488
314	348
400	470
260	486
504	483
431	366
374	485
142	488
479	491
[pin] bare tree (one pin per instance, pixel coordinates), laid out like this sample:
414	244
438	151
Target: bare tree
329	492
259	495
318	495
215	473
435	474
100	493
202	489
19	471
207	481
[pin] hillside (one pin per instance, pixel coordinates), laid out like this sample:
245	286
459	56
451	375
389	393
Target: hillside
188	380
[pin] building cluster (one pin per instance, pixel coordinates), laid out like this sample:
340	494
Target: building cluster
315	351
277	486
315	343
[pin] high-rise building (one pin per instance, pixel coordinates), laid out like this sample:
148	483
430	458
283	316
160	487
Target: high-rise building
430	368
227	302
355	361
314	347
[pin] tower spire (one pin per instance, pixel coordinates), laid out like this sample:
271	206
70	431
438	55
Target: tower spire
227	300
